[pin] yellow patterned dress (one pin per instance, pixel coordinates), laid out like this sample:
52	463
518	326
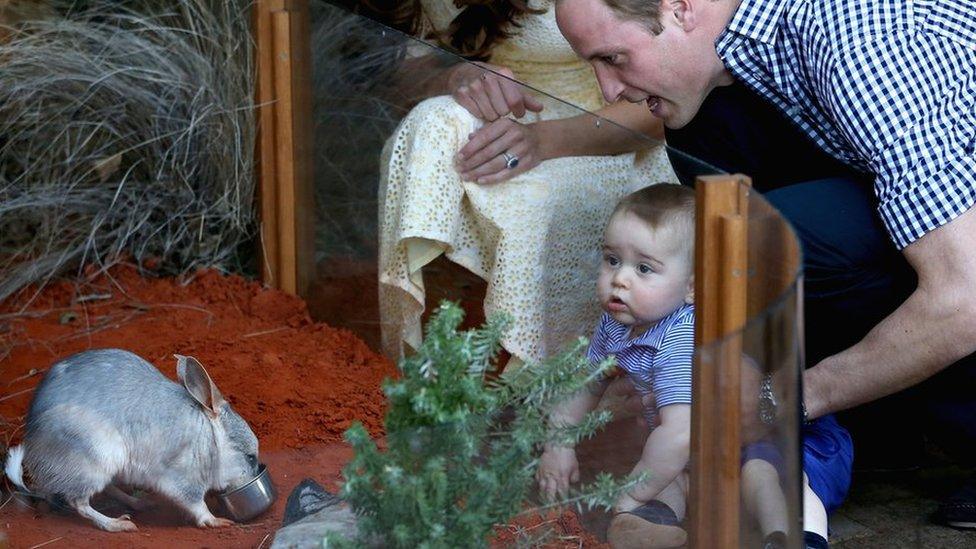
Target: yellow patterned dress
535	239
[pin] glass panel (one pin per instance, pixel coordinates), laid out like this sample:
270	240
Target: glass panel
394	215
767	354
397	231
475	242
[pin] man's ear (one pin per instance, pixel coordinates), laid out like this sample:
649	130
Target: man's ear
684	13
690	296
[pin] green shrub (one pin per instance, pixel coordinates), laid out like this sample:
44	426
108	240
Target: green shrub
461	449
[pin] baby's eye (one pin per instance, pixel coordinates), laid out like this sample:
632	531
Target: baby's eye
612	260
611	59
644	268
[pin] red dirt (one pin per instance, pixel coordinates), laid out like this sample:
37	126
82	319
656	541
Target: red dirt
279	370
298	383
564	530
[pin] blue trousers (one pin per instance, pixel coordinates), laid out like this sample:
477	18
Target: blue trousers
853	274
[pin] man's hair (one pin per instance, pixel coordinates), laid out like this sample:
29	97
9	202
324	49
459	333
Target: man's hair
645	12
664	205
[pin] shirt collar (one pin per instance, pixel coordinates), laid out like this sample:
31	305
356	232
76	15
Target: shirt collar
654	336
756	19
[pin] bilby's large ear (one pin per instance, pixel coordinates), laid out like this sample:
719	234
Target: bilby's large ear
197	382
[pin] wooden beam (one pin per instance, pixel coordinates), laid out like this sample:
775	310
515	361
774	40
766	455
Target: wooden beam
304	125
720	306
281	30
285	144
267	188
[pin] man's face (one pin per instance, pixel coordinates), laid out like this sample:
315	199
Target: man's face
671	72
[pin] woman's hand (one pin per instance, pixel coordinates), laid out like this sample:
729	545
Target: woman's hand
483	159
488	96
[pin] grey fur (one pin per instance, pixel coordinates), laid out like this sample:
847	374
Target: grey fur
109	417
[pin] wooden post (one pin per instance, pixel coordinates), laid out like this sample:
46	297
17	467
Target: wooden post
267	189
720	306
285	143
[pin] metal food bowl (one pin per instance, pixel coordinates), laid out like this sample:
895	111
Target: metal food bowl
250	500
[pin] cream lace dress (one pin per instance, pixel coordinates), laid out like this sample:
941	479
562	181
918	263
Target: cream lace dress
536	238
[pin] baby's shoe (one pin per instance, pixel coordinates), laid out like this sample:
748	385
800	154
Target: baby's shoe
653	525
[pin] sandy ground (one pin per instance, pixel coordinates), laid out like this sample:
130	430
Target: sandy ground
300	384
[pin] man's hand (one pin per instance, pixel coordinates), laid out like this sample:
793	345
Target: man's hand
558	467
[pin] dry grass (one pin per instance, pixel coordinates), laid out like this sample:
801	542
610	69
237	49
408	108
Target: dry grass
126	131
363	85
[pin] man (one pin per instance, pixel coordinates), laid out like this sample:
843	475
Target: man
820	101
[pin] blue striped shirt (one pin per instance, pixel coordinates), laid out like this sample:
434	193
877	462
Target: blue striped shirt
657	361
886	86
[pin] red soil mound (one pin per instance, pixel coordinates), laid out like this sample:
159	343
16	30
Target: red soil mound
299	384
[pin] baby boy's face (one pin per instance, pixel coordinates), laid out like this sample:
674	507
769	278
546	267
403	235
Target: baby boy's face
645	274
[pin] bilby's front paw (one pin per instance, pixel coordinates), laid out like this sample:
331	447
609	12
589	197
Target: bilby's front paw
121	524
214	522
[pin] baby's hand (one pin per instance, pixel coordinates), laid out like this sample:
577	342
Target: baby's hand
558	467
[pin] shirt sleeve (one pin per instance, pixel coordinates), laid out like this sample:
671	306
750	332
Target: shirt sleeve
597	351
906	102
671	375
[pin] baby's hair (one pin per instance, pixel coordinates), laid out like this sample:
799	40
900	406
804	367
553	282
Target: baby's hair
663	205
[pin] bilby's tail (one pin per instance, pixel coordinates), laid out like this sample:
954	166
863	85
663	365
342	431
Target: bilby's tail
14	468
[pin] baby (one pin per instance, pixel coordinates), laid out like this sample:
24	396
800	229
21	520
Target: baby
646	289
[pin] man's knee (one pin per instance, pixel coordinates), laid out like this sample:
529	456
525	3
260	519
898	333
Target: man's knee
846	249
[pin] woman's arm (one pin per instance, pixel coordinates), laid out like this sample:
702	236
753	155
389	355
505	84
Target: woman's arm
487	91
482	159
581	136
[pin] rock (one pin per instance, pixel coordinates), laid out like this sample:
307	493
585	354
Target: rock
309	532
310	513
307	498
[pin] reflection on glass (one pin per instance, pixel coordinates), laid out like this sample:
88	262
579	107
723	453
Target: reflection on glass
387	135
399	229
764	360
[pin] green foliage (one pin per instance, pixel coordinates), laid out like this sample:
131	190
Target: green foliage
461	449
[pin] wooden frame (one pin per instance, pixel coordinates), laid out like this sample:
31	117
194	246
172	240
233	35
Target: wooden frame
721	253
285	148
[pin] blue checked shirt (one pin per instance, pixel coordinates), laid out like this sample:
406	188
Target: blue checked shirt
886	86
657	361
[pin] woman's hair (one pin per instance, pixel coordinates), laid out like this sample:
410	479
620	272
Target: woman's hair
472	33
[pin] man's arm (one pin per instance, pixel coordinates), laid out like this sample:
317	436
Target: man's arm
935	327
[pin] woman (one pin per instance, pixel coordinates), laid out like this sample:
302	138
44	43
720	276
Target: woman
511	184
